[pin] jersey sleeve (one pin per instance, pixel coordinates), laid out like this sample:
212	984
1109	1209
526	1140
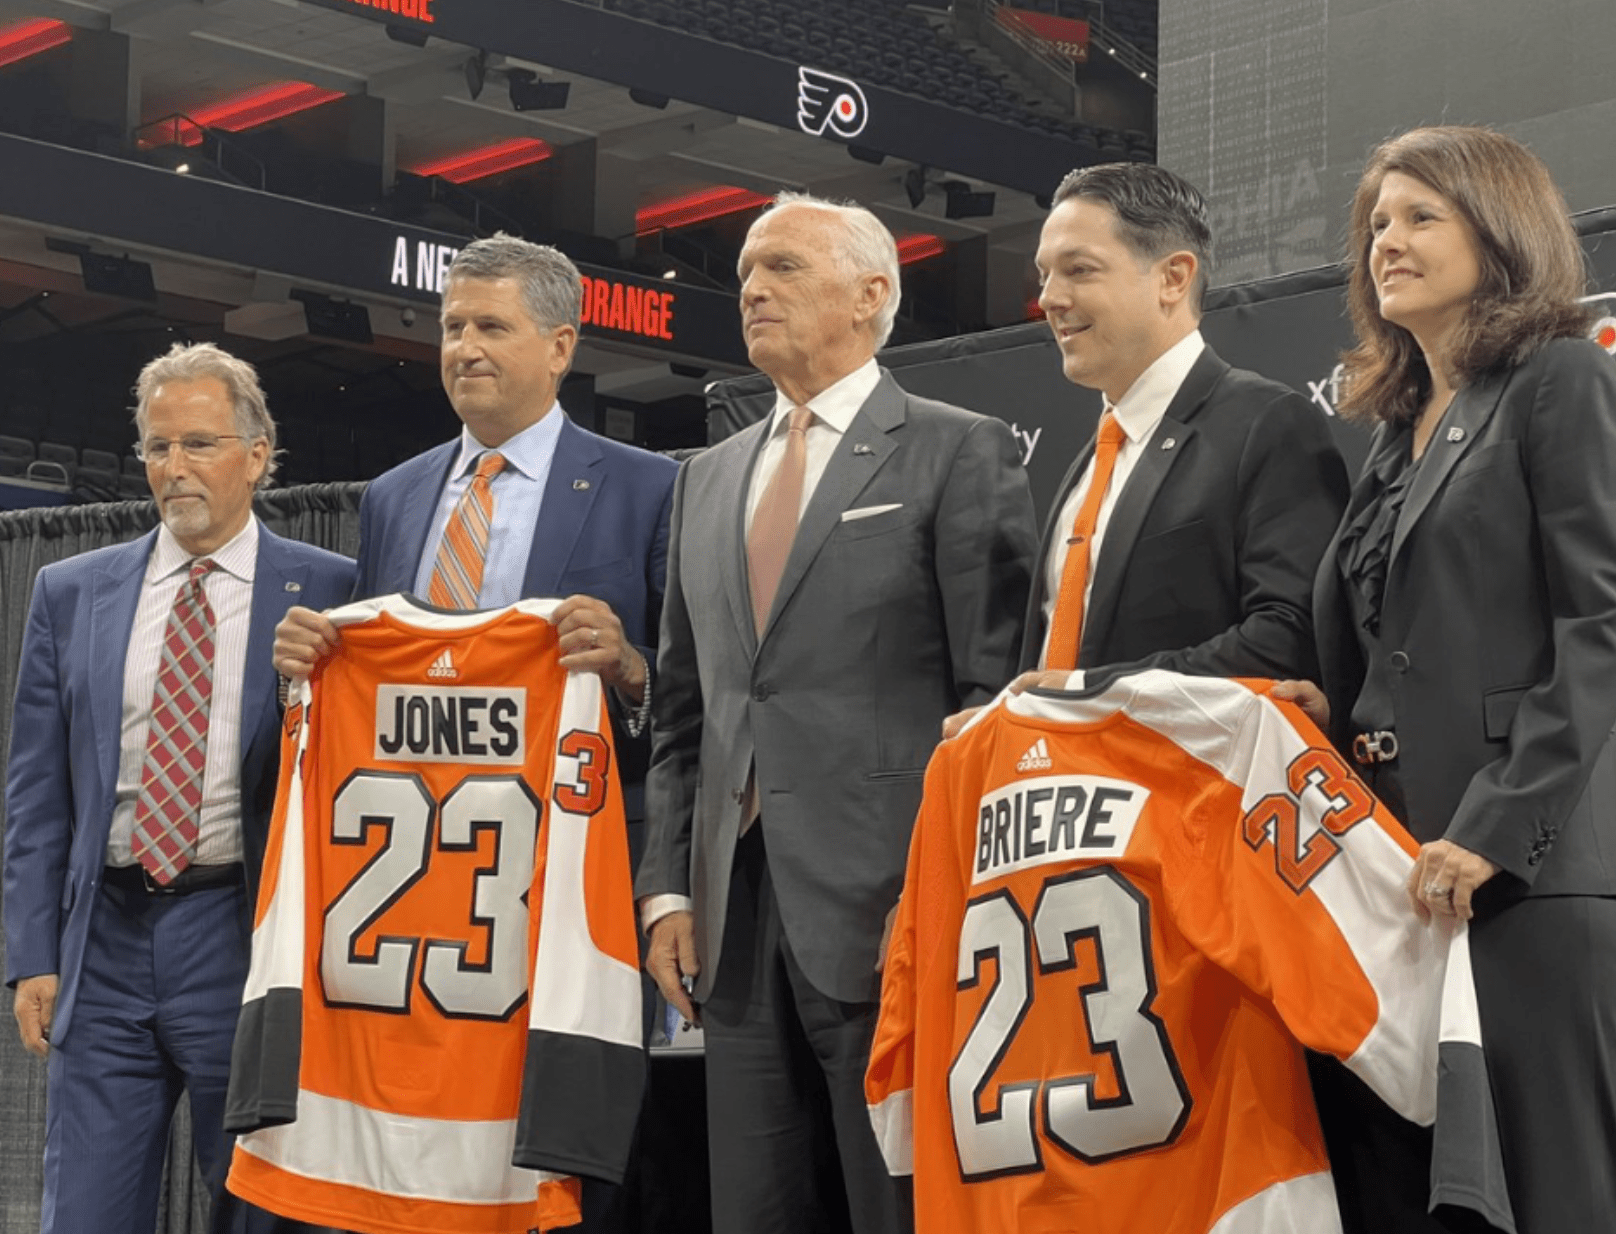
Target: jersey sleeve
889	1080
1294	881
265	1060
584	1074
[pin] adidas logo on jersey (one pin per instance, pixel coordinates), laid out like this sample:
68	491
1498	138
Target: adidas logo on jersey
443	666
1036	758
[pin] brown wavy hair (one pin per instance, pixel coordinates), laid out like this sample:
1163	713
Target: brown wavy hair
1532	270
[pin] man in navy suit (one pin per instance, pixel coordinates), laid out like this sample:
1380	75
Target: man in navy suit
574	514
144	752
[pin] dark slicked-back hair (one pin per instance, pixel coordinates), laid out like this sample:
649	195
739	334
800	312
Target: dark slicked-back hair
1532	271
1157	212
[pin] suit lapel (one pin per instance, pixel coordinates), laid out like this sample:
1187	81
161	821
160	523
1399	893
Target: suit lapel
862	451
407	545
577	473
112	619
1472	408
733	486
1165	447
278	583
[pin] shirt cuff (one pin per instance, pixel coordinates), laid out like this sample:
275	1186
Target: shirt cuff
654	908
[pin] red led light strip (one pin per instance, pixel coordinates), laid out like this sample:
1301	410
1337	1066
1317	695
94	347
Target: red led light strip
697	207
247	110
29	38
488	161
917	248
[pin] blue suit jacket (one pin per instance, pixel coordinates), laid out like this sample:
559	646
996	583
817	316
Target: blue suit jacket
62	774
602	532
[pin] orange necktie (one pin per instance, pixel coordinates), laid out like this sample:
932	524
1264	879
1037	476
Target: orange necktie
1066	627
774	522
457	575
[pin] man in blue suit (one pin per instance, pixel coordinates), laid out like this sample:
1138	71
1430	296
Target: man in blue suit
144	752
574	514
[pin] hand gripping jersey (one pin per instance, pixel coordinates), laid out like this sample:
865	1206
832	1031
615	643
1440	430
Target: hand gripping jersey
1122	913
442	1016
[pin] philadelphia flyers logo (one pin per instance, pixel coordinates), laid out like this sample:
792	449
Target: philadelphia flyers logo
826	101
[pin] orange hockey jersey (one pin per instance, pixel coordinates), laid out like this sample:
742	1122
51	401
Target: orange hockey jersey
1123	912
442	1020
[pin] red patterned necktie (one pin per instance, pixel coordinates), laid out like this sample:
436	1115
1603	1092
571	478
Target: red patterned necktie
457	575
169	806
1066	626
774	522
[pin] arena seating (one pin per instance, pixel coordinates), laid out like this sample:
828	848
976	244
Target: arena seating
887	43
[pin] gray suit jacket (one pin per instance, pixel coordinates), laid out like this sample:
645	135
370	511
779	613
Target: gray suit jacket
881	628
1499	617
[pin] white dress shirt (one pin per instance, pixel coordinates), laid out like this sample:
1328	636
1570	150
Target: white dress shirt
518	492
834	409
1138	413
229	590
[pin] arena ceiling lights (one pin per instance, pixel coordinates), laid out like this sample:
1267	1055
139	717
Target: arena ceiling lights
260	105
29	38
487	161
918	248
698	207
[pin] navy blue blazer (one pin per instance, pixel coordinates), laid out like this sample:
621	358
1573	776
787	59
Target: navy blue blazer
602	532
61	777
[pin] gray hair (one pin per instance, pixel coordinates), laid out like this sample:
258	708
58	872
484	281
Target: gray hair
867	248
552	288
196	361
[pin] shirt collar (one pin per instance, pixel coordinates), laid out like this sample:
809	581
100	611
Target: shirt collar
837	404
1146	401
238	556
527	452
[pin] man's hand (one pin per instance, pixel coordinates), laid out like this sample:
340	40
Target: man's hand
671	955
1445	877
592	642
952	727
35	1006
1308	697
303	638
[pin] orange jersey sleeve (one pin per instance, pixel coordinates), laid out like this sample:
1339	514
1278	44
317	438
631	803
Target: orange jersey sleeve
1124	915
442	1019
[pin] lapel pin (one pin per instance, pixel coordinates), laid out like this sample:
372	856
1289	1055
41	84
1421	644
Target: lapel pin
579	486
1456	434
861	448
294	586
1169	442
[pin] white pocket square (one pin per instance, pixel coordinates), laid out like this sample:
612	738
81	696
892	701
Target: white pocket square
868	511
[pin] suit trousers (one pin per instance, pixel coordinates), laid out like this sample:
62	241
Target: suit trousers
789	1136
158	998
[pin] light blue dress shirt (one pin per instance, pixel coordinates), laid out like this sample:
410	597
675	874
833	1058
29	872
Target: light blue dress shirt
518	493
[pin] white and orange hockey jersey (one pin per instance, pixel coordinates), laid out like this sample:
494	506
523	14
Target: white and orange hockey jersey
442	1020
1125	912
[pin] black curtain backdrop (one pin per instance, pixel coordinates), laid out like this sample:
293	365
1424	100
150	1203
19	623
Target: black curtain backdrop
323	514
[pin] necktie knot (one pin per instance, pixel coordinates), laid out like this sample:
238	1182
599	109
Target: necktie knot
201	567
800	420
489	465
1111	433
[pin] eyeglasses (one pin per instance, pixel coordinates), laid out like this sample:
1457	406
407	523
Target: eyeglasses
198	447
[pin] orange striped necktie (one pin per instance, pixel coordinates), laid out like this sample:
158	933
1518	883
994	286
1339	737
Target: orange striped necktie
1066	626
457	575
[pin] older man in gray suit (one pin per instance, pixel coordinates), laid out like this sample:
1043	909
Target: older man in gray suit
841	577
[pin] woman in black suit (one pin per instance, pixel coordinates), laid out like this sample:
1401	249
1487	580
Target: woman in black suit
1466	622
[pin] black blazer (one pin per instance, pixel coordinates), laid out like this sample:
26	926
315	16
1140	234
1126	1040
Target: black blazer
1500	620
1208	559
